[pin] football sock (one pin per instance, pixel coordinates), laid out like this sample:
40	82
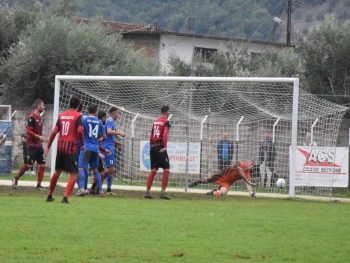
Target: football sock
53	182
109	183
81	179
70	186
93	185
150	179
41	173
21	171
86	180
165	179
104	177
98	180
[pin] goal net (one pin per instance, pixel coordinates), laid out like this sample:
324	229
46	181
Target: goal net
5	138
215	122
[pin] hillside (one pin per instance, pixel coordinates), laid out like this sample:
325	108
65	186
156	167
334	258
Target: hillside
237	18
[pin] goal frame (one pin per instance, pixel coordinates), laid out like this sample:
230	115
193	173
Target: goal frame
9	112
293	81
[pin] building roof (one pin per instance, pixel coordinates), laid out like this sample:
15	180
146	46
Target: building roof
122	27
134	29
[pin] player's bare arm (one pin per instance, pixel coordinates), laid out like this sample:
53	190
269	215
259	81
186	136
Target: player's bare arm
37	136
117	133
104	150
248	183
165	139
241	173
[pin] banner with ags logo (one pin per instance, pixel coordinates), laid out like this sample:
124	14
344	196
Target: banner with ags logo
322	166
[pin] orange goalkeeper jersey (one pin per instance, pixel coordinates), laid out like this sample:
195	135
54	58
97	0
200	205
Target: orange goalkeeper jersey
230	175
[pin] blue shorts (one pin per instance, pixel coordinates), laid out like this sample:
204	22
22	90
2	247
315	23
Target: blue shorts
109	159
87	158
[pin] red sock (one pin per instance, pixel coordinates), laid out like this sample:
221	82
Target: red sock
41	173
53	182
70	186
165	179
21	171
150	179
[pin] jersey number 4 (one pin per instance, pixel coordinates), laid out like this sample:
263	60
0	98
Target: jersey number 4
156	132
93	131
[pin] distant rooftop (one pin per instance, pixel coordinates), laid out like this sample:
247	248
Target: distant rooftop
131	28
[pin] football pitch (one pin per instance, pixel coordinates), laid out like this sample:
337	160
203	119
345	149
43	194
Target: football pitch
189	228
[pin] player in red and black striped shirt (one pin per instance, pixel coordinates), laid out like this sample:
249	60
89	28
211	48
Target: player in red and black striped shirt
158	153
70	129
34	143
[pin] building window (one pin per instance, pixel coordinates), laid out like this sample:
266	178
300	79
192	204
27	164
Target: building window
255	55
206	53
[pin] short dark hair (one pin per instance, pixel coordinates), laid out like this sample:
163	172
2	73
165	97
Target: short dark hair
101	114
112	109
92	109
37	102
74	102
80	107
164	109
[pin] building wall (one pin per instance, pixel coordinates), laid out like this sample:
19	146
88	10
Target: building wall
183	47
148	42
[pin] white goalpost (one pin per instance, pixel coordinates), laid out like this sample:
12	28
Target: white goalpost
264	119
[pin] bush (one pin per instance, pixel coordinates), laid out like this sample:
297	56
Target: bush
56	45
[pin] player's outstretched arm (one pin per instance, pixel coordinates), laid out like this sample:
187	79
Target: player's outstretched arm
250	190
248	183
117	133
120	133
241	173
104	150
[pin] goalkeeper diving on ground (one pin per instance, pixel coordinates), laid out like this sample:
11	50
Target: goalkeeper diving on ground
227	177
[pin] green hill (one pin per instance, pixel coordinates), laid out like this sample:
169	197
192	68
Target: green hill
237	18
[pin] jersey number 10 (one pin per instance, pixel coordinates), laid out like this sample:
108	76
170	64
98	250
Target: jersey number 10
65	128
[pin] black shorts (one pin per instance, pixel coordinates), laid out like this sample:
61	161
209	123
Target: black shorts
100	165
158	159
35	154
67	163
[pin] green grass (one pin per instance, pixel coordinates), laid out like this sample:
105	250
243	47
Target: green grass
336	192
189	228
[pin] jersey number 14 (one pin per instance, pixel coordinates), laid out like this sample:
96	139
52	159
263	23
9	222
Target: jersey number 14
156	132
93	131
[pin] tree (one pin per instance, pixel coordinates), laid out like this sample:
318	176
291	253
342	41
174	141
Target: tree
326	54
236	62
12	23
55	45
284	62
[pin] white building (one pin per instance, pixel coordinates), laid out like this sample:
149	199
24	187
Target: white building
161	44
